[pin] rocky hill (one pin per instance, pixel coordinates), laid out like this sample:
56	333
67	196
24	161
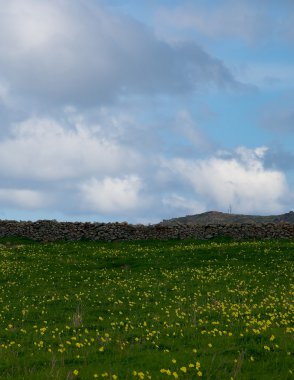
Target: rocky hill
216	217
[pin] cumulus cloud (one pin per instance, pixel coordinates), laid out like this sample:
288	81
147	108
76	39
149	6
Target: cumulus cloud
86	171
82	53
112	195
238	179
44	149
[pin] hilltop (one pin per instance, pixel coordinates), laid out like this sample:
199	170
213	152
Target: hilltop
216	217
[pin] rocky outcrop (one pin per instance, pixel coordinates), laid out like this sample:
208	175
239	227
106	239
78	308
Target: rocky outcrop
49	230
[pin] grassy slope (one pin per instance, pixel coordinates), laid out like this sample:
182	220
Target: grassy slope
117	308
215	217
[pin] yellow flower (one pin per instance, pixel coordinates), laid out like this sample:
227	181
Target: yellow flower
272	338
101	349
75	372
199	373
266	348
174	360
209	345
175	375
114	377
183	369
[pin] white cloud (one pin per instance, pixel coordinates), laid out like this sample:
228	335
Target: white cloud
43	149
112	195
96	173
240	181
22	198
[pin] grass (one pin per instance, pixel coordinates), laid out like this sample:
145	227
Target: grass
146	310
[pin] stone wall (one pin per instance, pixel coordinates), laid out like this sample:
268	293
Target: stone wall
48	230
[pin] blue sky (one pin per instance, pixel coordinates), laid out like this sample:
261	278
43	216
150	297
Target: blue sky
145	110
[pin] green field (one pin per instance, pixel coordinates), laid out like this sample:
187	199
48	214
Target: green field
146	310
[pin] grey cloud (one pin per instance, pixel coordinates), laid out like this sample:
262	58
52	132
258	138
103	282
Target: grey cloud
256	23
77	53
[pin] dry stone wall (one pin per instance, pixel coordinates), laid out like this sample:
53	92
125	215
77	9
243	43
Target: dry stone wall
49	230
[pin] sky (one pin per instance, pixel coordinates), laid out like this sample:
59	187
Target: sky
143	110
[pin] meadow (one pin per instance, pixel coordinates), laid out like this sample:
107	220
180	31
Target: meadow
146	310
